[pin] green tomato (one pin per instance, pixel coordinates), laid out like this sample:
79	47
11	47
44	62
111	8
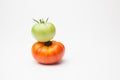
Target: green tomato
43	31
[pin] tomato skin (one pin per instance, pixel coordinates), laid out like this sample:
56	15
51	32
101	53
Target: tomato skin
48	54
43	32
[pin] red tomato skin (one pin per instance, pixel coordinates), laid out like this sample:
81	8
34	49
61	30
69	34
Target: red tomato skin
48	54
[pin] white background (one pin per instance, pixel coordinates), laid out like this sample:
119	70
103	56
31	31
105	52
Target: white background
89	29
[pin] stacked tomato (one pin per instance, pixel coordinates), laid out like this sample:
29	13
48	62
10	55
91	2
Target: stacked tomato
45	50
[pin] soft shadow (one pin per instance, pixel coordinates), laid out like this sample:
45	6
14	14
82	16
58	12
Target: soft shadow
62	62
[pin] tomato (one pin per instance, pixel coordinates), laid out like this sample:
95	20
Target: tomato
50	52
43	31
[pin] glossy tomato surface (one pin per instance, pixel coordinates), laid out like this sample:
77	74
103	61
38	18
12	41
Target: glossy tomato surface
48	53
43	31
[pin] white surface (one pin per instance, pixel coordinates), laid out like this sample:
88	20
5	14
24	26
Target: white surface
89	29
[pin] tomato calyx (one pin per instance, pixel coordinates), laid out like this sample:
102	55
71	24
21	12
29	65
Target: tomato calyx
41	21
49	43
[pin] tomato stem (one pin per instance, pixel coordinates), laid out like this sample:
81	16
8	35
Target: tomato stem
47	19
48	43
35	20
41	20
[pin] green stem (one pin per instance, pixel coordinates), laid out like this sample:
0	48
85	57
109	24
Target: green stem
47	19
41	21
35	20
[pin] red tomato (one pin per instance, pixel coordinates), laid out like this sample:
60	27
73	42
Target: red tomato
48	52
